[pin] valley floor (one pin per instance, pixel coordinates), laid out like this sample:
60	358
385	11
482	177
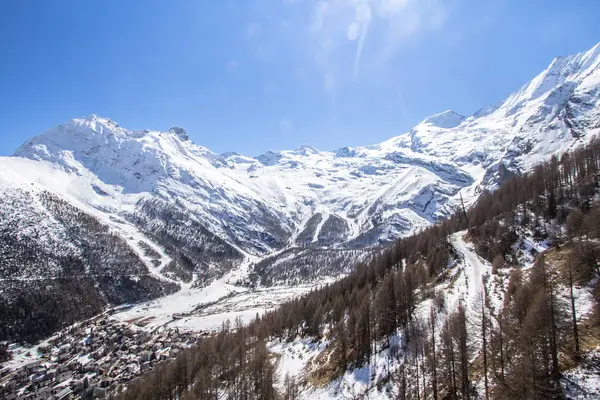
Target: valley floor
206	309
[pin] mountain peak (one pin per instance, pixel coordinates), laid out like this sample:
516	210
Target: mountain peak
88	126
556	81
269	158
94	117
306	150
181	133
447	119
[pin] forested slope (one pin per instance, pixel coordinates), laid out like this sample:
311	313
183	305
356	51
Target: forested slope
59	265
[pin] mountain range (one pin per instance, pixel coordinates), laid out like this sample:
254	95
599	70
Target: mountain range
139	213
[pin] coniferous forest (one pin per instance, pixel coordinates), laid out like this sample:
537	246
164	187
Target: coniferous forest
517	350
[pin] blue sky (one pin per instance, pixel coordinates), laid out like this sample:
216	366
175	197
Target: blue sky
257	75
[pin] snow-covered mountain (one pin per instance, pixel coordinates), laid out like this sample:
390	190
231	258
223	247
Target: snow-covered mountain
207	213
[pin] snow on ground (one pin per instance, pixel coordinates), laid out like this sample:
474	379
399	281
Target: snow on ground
294	356
527	248
160	311
584	300
474	266
194	309
21	356
583	382
213	322
464	283
205	309
243	304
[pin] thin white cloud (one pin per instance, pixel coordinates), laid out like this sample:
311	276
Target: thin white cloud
320	12
334	42
362	21
380	26
354	30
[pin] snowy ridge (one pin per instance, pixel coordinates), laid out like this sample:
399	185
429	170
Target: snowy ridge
448	119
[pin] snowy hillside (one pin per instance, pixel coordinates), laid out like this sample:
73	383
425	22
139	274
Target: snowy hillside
62	260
